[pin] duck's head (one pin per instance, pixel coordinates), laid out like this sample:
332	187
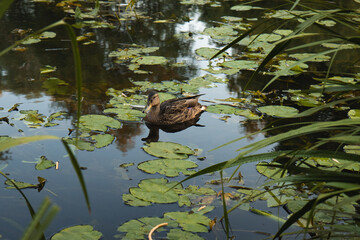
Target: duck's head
153	100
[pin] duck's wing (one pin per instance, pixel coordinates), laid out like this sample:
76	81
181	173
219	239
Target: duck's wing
179	110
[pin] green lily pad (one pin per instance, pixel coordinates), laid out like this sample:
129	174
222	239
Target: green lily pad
195	190
168	167
220	32
102	140
207	52
155	190
168	150
313	58
32	116
126	113
78	232
20	185
354	113
242	7
340	46
226	109
270	171
44	163
150	60
229	71
138	228
278	111
80	144
192	222
55	86
47	69
36	39
175	234
56	116
240	64
98	122
133	201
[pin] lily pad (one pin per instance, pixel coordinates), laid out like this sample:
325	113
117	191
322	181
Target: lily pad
32	116
155	190
312	56
207	52
168	150
55	86
168	167
47	69
78	232
150	60
240	64
98	122
44	163
133	201
354	113
192	222
226	109
242	7
126	113
175	234
56	116
80	144
270	171
102	140
279	111
20	185
138	228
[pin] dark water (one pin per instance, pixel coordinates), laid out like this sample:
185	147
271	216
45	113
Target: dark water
21	82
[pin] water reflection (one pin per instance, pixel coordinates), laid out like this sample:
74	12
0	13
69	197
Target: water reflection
154	136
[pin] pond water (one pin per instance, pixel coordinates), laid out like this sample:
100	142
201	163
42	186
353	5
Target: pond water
21	82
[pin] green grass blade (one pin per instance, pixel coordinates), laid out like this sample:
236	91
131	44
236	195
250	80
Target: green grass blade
78	71
78	173
31	209
4	5
226	217
13	142
41	221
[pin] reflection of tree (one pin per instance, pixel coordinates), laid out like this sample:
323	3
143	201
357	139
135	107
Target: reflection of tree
124	136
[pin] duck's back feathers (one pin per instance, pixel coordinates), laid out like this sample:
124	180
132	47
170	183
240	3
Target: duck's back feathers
175	111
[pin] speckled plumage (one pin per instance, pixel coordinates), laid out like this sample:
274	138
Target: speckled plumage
173	111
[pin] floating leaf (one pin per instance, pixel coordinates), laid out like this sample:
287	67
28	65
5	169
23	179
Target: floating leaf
102	140
126	113
270	171
20	185
168	167
312	56
150	60
242	7
78	232
44	163
192	222
98	122
133	201
137	228
80	144
168	150
354	113
56	116
47	69
240	64
55	86
155	190
175	234
278	111
32	116
207	52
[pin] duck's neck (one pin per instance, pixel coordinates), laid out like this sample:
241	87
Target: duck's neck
153	114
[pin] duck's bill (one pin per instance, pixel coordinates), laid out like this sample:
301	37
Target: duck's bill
147	108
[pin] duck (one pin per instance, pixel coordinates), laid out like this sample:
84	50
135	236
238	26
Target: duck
173	111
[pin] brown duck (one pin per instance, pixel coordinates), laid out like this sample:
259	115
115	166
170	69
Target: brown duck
173	111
